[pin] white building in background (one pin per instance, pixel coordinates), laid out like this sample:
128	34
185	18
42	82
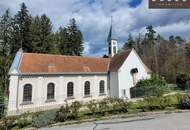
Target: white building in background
45	81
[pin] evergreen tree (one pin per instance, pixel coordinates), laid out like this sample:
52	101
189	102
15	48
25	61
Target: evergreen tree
70	39
41	35
5	44
22	24
75	38
63	41
150	35
130	42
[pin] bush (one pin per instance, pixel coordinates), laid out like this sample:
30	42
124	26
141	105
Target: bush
74	109
118	105
103	106
68	112
182	80
23	121
160	103
7	123
44	119
62	114
92	106
150	87
184	102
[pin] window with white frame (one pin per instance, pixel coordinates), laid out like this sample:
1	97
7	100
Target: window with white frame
27	93
50	91
87	88
102	87
70	89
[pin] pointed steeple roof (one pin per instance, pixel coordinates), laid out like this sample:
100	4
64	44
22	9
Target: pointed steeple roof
112	34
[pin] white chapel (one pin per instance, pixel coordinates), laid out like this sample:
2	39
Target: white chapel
46	81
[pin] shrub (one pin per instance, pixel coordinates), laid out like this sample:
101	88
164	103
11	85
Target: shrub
7	123
150	87
68	112
160	103
182	79
74	109
44	119
103	106
184	102
119	105
23	121
92	106
62	114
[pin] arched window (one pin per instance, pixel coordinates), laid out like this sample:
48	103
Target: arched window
70	89
102	87
50	91
134	73
87	88
27	93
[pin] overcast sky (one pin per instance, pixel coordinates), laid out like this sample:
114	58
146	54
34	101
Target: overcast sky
93	18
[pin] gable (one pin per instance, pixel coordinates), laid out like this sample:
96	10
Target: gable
118	60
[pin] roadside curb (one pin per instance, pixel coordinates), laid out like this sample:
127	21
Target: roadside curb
120	116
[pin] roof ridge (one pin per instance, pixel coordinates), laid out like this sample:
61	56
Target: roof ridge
65	55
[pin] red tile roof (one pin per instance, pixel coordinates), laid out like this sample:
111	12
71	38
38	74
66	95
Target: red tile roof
118	60
47	63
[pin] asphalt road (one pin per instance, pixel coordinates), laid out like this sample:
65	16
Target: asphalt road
174	121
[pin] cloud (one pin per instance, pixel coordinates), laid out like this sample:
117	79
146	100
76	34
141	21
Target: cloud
93	18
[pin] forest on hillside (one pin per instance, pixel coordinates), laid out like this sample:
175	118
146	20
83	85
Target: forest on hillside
166	57
169	58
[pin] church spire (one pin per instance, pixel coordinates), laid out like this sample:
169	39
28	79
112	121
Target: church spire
112	41
111	35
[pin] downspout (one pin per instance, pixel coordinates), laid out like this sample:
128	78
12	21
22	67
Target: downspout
17	108
109	92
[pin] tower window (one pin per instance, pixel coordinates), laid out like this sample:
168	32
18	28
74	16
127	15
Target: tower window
109	50
114	50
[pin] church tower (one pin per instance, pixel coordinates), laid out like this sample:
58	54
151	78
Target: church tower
112	42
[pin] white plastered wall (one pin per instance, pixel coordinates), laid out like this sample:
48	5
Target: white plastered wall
124	76
39	91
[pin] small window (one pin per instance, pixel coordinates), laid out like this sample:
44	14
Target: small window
102	87
114	50
87	88
27	93
123	92
50	91
109	51
70	88
134	70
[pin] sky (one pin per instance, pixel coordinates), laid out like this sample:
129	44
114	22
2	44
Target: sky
94	18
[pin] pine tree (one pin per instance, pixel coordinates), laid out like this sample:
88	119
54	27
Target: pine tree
75	38
5	56
22	24
150	35
63	42
70	39
130	42
41	35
